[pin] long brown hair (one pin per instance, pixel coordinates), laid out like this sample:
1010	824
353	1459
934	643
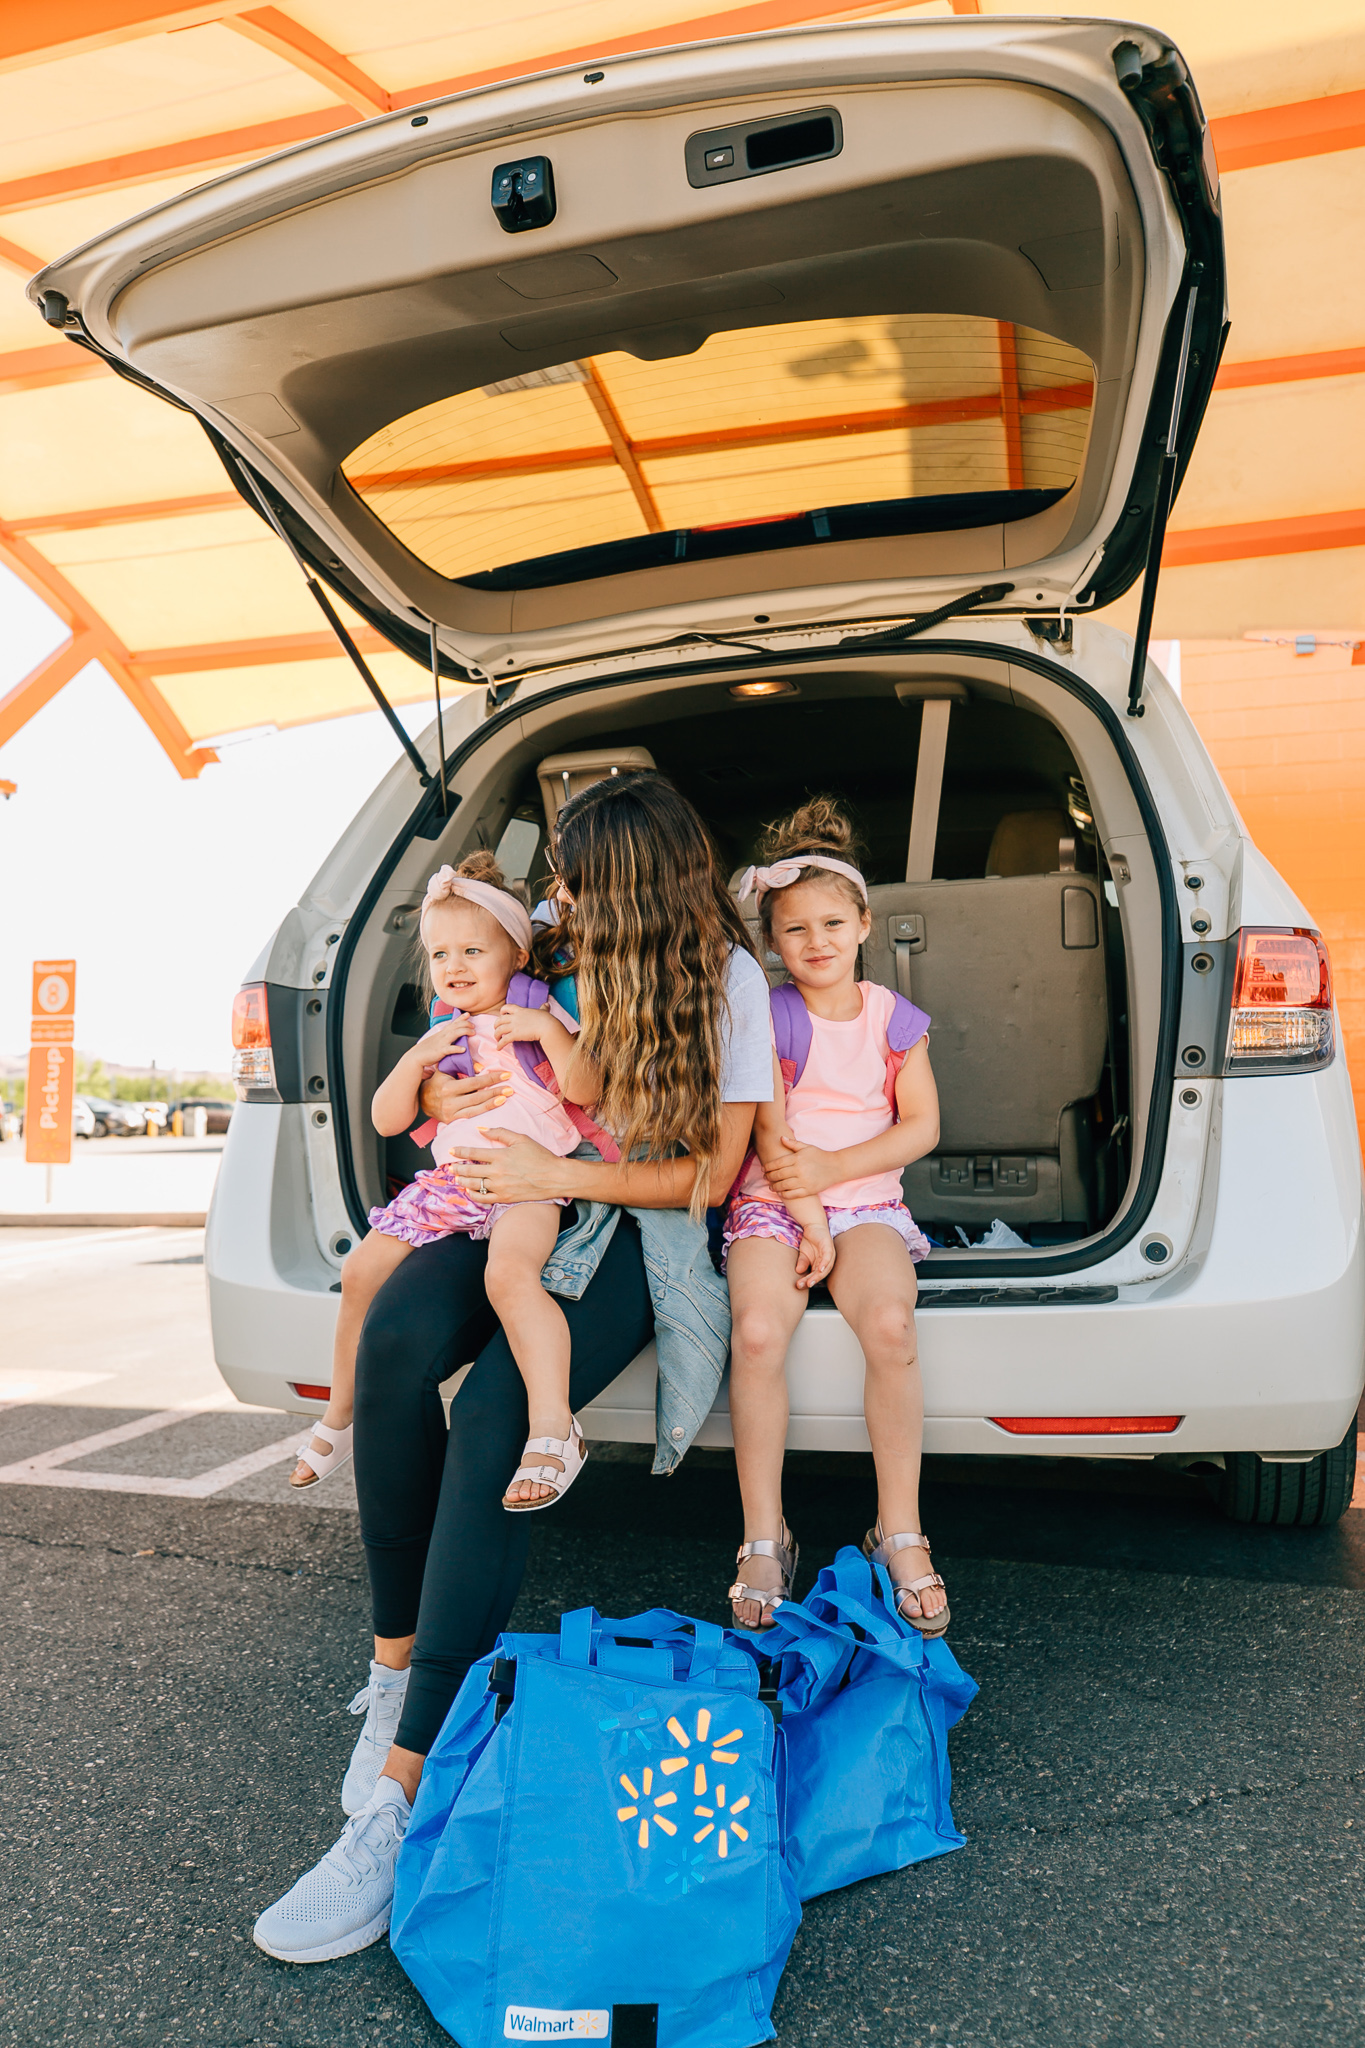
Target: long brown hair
649	938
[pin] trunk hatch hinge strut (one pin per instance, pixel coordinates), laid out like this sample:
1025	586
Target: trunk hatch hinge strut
333	619
1161	510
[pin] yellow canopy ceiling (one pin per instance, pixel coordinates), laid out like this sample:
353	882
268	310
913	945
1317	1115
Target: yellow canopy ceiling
114	508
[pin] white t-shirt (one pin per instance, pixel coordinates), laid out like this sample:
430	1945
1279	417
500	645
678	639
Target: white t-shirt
746	1053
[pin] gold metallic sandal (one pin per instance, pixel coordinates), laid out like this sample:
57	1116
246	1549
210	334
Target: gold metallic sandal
880	1549
786	1555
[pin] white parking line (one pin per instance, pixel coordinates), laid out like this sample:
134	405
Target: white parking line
46	1467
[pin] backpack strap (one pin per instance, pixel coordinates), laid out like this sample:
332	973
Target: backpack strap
529	994
791	1031
905	1028
460	1061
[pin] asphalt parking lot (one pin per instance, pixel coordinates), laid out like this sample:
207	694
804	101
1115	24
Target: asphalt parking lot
1160	1780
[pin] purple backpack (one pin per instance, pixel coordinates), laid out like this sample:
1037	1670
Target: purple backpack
792	1034
526	993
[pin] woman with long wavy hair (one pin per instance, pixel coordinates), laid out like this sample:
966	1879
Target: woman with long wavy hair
674	1008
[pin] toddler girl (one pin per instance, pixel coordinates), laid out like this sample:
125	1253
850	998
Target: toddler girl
476	936
823	1195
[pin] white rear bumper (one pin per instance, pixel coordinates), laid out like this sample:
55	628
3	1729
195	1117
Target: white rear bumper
1256	1341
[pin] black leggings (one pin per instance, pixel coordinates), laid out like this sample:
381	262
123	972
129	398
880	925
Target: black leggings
445	1558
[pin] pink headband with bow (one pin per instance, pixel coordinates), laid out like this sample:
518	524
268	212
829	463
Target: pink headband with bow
510	914
783	873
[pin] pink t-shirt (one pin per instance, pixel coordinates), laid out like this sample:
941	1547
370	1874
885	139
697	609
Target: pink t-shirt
841	1100
531	1110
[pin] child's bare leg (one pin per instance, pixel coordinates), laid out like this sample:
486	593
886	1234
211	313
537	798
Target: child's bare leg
873	1284
766	1305
362	1276
518	1247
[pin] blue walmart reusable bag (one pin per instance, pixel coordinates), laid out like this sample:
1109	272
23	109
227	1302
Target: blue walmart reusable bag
594	1849
867	1702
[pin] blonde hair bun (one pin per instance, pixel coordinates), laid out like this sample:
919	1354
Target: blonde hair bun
817	826
482	866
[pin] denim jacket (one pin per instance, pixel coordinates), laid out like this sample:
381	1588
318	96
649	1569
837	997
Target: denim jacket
691	1308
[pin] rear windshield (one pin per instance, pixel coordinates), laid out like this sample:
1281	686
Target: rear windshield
765	437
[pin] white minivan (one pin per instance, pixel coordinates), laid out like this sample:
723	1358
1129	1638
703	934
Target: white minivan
778	411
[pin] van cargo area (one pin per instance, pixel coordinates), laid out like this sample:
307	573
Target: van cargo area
985	803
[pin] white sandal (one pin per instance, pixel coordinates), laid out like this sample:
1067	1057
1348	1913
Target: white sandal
323	1463
572	1453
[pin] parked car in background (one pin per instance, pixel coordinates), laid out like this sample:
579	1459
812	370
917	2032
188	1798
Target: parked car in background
219	1113
82	1119
155	1113
114	1119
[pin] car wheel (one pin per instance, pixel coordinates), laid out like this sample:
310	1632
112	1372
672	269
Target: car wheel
1287	1496
101	1130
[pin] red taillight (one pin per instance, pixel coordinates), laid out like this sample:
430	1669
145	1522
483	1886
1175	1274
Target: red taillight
310	1393
250	1017
1288	969
1281	1002
253	1063
1087	1425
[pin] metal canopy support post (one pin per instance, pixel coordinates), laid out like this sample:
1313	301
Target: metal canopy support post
334	621
1160	514
440	728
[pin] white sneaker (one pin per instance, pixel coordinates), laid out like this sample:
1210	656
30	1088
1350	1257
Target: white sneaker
381	1702
343	1903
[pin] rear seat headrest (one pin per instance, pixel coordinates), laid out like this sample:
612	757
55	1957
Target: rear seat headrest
563	775
1032	843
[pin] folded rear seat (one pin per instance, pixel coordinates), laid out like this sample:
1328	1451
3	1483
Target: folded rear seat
1011	970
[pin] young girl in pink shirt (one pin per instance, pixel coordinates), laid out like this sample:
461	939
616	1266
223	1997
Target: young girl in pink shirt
476	937
854	1103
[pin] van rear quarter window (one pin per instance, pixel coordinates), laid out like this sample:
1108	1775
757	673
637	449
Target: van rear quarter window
846	426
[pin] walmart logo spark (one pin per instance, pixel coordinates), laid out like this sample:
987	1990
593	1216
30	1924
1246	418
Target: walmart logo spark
666	1809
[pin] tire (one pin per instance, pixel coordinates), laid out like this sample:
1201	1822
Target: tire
1287	1496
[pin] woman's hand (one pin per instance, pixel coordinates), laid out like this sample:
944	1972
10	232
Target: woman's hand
447	1097
518	1170
801	1169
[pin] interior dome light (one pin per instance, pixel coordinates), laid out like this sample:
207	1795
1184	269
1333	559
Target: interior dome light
770	686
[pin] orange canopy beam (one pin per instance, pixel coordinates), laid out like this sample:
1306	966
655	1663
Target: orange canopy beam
195	153
1344	362
13	257
1315	530
1333	362
623	449
1279	135
41	684
1010	405
36	31
308	53
824	427
125	515
29	369
85	623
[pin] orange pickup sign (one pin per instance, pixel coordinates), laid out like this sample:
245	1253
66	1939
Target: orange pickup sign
51	1064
